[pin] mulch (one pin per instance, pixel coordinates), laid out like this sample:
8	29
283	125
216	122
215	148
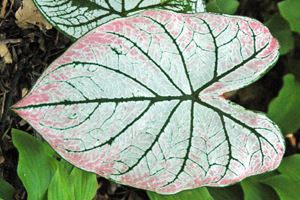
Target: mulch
33	50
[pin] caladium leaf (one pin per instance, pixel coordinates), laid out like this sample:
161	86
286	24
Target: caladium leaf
76	17
140	101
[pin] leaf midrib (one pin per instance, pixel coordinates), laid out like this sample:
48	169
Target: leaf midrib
112	100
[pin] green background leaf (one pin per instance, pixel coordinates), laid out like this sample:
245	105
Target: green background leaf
6	190
36	164
258	191
200	193
85	184
284	109
286	188
222	6
233	192
289	9
41	172
291	167
60	186
281	30
286	184
70	182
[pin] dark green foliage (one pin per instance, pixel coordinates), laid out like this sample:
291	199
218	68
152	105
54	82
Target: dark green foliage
284	109
6	190
46	176
281	30
200	193
222	6
289	9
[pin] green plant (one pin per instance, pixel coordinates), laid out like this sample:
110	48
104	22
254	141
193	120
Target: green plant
47	176
283	109
289	9
6	190
281	30
223	6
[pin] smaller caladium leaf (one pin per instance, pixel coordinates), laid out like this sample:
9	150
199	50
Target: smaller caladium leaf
76	17
140	100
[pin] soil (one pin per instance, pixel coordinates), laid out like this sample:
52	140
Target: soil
34	49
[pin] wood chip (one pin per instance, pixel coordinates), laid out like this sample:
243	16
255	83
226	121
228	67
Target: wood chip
1	159
291	137
28	15
228	95
3	8
10	41
5	54
24	92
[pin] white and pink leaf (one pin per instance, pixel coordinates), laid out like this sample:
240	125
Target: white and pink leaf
140	101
